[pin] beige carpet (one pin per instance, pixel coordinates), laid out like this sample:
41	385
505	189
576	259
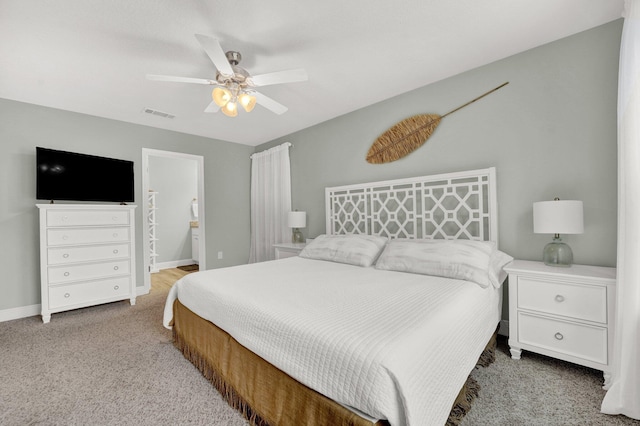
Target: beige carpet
112	364
540	391
115	365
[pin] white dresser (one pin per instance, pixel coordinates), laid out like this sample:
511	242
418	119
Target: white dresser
565	313
87	256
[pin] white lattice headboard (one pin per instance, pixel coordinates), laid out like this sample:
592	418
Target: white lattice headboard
460	205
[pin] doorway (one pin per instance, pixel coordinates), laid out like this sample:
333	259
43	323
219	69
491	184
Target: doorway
148	231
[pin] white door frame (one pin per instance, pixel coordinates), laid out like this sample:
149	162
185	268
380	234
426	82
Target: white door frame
146	154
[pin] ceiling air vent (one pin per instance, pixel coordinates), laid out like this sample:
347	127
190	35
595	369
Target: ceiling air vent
158	113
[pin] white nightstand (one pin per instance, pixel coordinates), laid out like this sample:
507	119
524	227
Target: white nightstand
284	250
565	313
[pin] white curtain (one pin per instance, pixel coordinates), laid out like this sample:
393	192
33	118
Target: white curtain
623	396
270	201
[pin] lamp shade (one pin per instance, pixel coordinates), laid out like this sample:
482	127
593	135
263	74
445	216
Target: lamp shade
230	109
221	96
297	219
247	101
558	217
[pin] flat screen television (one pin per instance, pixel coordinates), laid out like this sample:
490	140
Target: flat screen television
72	176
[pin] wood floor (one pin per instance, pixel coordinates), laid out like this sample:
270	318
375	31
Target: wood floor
164	279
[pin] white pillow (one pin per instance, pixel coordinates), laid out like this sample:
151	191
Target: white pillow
497	274
460	259
354	249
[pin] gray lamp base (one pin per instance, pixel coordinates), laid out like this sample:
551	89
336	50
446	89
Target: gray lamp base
557	253
296	236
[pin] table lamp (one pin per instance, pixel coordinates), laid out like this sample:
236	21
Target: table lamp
297	220
558	217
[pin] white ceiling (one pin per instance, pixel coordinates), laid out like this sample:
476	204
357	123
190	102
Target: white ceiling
91	56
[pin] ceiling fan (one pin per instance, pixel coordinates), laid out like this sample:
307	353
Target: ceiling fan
234	85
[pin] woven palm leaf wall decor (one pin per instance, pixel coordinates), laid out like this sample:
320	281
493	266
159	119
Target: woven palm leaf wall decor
409	134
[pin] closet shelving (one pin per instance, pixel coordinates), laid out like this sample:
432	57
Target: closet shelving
153	228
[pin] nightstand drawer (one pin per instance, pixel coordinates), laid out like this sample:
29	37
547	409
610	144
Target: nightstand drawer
582	341
282	254
284	250
570	300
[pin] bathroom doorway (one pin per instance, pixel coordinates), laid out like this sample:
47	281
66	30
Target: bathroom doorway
156	165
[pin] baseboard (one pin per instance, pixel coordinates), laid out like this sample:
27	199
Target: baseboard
21	312
504	328
175	263
33	310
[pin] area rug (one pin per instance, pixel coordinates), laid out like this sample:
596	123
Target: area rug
189	268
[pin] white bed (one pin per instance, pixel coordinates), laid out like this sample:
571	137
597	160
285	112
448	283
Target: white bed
387	344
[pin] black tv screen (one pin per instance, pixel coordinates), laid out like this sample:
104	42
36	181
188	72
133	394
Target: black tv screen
72	176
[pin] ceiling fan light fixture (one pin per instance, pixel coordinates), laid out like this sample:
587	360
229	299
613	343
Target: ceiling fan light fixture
234	83
247	101
221	96
230	109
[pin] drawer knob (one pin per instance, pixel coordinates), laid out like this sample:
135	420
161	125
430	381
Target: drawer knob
66	255
115	287
115	235
115	251
115	218
115	268
559	298
65	237
559	336
67	295
65	217
66	274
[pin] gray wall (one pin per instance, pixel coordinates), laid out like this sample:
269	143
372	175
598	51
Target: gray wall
176	180
550	132
25	126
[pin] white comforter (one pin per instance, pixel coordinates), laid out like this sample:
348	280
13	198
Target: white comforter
393	345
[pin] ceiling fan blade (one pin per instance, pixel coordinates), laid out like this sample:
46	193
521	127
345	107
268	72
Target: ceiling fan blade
180	79
278	77
269	103
213	107
215	53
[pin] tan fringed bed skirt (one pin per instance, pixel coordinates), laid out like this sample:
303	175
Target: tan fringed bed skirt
264	394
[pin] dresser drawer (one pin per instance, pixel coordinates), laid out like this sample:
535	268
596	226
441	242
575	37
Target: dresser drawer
89	292
63	255
69	273
61	236
582	341
86	217
577	301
